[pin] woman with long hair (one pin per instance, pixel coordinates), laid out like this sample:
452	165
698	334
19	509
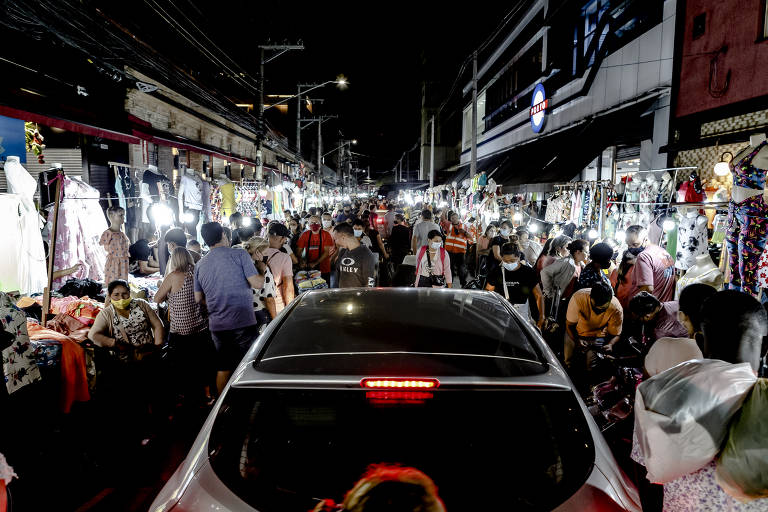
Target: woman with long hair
433	264
190	344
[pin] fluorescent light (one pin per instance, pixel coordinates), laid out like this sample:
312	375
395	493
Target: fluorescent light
722	169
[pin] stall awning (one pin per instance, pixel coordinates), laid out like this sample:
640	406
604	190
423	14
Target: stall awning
72	126
168	139
488	164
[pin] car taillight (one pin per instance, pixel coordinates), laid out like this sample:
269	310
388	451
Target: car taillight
399	383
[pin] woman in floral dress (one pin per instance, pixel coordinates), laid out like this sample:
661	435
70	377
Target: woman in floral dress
116	245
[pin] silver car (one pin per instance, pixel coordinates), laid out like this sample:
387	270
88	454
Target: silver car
452	382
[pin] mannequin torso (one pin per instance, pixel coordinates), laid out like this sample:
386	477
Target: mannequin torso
759	161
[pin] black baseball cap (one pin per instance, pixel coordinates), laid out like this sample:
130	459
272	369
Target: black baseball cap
277	229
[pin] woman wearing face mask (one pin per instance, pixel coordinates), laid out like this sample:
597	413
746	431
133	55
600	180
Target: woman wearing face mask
555	249
133	330
264	299
516	282
433	265
484	249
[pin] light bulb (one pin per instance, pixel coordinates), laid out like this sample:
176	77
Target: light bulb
188	217
246	221
162	215
668	225
722	169
533	228
517	216
592	234
621	236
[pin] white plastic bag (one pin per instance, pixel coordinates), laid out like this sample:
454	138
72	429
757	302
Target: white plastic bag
682	415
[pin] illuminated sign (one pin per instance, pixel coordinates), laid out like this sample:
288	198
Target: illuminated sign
539	104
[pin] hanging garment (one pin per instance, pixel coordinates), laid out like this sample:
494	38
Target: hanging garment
692	239
81	223
576	208
116	245
19	364
746	240
586	209
29	259
191	189
228	205
747	175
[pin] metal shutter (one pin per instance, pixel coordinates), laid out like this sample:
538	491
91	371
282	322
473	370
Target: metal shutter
70	159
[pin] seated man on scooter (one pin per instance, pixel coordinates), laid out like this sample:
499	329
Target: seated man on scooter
593	322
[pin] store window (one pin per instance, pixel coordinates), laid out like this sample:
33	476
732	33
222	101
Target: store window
764	17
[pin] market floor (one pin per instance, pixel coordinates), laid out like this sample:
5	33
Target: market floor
74	463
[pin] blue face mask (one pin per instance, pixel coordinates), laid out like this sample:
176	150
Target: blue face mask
511	266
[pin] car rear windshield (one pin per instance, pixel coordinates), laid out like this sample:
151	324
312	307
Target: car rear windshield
324	327
283	450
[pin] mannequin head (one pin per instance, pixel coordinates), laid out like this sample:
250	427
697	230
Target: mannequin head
734	325
756	138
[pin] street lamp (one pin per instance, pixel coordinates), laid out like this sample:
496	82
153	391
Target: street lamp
341	82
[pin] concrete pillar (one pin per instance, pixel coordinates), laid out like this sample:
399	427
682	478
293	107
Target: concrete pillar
650	158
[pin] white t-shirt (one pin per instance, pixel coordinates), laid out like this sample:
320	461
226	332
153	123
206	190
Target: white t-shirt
669	352
193	192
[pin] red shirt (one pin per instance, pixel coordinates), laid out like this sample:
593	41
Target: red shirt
315	244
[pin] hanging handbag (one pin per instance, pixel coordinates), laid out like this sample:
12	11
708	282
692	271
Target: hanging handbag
551	325
435	280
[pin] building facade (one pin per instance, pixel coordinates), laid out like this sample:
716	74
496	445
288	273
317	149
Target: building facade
573	83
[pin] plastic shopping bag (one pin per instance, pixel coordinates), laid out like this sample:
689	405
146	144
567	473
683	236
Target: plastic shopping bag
742	469
682	415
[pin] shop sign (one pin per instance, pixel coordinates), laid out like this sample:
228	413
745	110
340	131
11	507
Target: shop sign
539	104
12	138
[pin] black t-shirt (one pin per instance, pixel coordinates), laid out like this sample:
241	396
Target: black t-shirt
520	282
400	239
356	268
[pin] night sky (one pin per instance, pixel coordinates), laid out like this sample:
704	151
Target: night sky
384	50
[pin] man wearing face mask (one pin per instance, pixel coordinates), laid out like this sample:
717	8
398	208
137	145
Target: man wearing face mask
456	243
315	249
501	238
358	229
356	265
594	317
516	282
345	215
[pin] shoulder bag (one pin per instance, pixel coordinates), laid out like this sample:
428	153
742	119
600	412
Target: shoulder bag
436	280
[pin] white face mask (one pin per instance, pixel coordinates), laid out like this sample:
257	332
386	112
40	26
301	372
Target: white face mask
504	232
358	232
326	224
435	245
511	266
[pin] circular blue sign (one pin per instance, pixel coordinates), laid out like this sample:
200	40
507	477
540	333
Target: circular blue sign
539	104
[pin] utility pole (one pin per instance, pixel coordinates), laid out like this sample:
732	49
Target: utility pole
298	122
473	163
262	126
432	155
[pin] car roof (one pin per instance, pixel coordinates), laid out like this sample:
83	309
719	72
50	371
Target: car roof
335	337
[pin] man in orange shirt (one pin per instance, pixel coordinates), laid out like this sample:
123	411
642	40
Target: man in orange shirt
456	243
315	247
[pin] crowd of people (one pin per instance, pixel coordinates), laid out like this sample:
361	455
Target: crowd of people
585	298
